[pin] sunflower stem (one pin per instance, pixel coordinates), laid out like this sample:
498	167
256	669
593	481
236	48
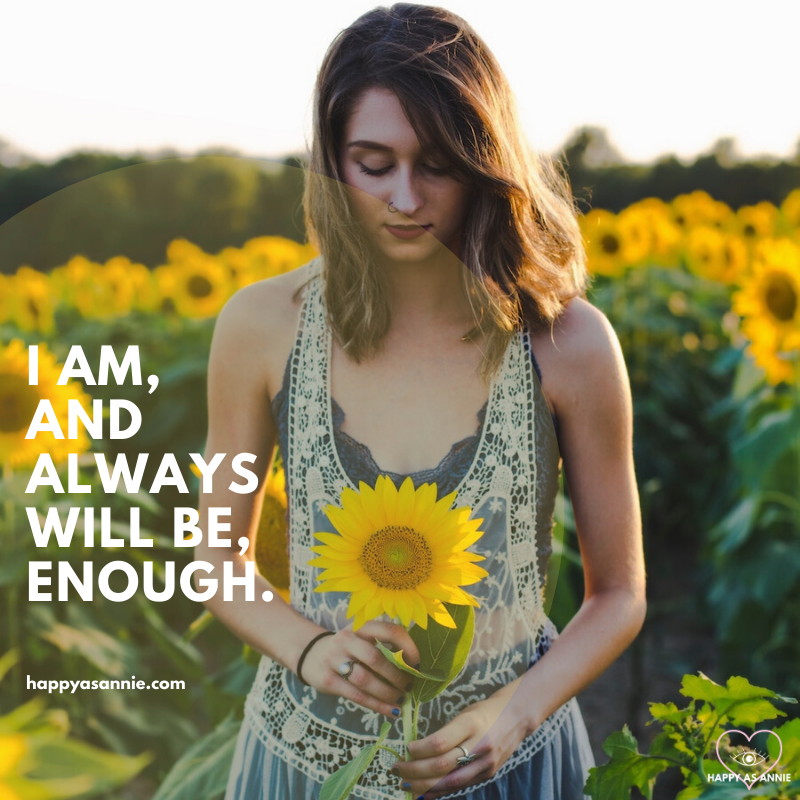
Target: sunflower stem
390	750
409	732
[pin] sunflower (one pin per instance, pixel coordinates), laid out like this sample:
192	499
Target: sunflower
13	747
716	256
32	301
274	255
5	298
69	280
663	233
109	292
272	548
19	401
699	208
197	286
769	302
603	242
790	209
755	222
400	553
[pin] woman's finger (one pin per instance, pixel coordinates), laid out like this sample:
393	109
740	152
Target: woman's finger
366	690
393	633
474	773
441	774
363	678
433	767
372	658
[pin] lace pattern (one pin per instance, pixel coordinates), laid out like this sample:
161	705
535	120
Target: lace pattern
315	732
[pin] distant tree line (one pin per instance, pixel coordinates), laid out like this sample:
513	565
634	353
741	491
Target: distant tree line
101	205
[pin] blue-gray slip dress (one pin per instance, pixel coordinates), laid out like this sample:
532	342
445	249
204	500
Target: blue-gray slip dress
557	771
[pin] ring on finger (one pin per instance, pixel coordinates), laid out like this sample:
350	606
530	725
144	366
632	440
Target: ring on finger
346	669
467	758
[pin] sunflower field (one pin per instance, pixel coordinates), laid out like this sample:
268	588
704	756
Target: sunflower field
705	301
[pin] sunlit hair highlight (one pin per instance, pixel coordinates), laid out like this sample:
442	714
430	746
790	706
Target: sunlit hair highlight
521	243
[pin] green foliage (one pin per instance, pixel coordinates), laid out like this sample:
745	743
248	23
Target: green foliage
41	762
442	651
202	771
339	784
688	742
137	205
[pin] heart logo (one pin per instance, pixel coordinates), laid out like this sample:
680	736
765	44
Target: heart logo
749	784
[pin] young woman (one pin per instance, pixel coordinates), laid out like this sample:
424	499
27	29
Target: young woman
450	281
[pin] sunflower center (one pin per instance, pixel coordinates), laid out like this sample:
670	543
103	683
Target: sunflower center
609	244
199	286
18	403
397	558
781	298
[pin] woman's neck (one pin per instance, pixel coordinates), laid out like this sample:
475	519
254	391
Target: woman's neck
428	294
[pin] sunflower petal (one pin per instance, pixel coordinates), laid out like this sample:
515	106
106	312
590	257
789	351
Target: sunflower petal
374	606
442	616
389	498
404	611
373	507
333	540
326	551
420	612
405	502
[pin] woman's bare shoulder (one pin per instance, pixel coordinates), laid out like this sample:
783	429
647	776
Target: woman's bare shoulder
256	327
580	353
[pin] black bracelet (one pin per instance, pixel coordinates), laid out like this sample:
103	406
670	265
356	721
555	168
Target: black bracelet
305	653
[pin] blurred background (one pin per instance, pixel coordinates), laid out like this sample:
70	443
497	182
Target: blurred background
151	165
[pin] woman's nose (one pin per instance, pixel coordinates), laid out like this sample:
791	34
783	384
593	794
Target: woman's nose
406	196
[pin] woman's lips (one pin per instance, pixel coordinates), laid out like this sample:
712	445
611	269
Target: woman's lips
408	232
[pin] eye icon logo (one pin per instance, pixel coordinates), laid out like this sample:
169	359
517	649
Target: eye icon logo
748	758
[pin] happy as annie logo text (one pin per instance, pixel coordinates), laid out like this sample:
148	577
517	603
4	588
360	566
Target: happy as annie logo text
748	763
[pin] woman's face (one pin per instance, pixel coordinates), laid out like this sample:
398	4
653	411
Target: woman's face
382	159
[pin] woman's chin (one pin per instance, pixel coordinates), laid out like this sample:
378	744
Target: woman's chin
413	252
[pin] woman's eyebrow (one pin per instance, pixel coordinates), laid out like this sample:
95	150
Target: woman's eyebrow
367	145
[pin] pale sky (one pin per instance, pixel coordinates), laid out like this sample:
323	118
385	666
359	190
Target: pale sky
661	77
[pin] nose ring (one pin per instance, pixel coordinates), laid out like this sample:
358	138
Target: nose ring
391	209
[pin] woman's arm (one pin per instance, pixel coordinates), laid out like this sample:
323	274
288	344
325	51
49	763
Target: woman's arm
256	325
593	403
239	421
595	414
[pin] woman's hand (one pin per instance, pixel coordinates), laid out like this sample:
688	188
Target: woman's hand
374	682
491	729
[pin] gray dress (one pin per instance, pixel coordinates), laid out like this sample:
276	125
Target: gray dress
557	771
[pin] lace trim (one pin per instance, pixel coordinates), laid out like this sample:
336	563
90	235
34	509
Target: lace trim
294	723
314	732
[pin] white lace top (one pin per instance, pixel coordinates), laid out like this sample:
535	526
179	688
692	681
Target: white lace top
316	732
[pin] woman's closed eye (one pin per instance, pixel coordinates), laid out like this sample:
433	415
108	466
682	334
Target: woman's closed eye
383	170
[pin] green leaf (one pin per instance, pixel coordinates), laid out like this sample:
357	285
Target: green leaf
67	764
739	701
789	734
663	746
772	436
339	785
627	768
397	659
737	791
735	528
442	651
667	712
202	771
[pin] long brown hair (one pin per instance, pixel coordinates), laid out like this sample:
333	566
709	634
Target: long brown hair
521	243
